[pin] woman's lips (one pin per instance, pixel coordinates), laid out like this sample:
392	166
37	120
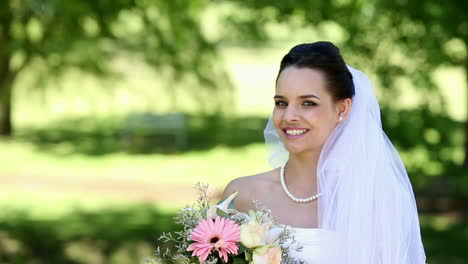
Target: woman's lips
294	132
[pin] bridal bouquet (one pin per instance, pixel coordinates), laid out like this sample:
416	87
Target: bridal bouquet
219	234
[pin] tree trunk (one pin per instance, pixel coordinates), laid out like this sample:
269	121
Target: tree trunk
465	162
6	75
6	128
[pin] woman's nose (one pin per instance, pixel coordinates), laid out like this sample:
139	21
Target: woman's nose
291	114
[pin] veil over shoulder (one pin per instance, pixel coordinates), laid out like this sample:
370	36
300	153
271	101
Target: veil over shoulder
367	200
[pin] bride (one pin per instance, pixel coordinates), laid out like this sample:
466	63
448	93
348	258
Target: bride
338	180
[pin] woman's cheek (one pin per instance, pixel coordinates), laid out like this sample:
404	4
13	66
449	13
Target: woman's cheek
277	118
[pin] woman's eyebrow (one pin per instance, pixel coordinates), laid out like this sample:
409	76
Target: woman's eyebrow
308	96
302	96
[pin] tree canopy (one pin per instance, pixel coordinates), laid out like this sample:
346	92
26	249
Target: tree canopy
57	35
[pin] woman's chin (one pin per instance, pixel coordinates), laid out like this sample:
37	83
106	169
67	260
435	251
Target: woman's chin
295	149
300	149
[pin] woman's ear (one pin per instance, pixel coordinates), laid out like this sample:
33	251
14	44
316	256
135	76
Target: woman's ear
343	109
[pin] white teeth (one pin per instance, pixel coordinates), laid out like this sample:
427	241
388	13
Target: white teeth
295	132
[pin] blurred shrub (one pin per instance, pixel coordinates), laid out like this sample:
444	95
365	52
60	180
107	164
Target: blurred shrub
141	133
110	236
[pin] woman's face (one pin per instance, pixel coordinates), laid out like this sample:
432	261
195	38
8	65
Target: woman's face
305	113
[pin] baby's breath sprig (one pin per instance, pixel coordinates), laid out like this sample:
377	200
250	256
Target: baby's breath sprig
204	197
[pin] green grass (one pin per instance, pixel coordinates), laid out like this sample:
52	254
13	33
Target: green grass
154	171
214	166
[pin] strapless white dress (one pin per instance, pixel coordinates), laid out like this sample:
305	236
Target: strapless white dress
310	240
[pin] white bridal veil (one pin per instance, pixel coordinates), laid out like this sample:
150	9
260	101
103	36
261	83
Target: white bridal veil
367	199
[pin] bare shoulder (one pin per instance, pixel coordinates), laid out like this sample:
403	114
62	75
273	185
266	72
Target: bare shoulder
250	188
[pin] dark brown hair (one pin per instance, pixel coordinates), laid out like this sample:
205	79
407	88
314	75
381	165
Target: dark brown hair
325	57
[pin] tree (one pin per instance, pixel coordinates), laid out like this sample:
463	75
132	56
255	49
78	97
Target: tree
54	36
437	31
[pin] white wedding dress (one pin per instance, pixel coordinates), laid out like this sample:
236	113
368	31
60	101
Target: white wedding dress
310	240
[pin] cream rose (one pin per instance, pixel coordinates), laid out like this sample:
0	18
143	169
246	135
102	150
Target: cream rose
253	234
268	254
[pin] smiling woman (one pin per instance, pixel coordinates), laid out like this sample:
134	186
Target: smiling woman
338	181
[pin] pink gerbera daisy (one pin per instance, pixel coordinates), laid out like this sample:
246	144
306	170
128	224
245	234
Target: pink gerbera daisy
220	234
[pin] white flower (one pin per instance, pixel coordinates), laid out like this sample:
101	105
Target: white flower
273	235
223	206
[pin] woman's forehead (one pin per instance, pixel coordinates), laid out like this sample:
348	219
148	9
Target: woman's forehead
295	81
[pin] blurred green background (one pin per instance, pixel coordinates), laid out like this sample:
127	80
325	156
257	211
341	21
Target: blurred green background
110	111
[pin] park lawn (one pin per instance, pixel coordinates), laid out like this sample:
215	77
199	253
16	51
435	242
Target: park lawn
48	184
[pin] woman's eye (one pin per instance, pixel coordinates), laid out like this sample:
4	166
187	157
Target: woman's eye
280	103
309	103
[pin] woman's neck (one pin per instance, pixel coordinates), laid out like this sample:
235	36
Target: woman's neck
302	168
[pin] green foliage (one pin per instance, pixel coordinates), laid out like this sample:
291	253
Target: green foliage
431	152
446	245
88	34
221	213
239	261
56	36
105	136
112	235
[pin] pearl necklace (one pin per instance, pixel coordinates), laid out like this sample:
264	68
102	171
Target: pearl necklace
297	200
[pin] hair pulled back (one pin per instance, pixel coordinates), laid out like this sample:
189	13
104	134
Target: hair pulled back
325	57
